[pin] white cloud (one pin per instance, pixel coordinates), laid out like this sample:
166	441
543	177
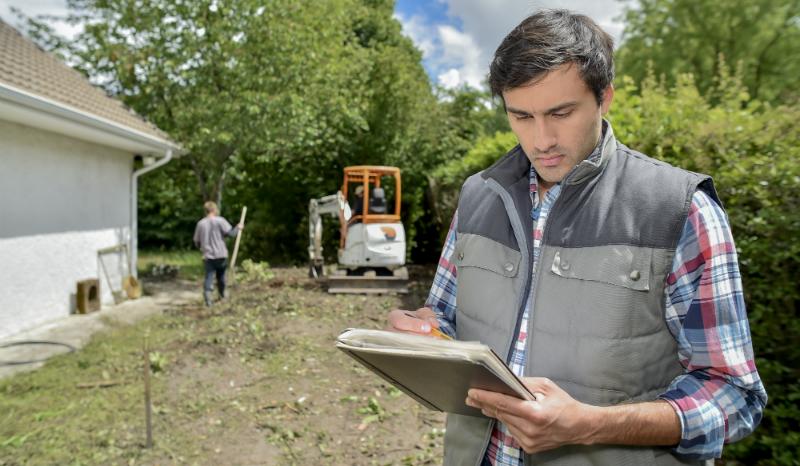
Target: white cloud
39	7
419	32
451	55
458	56
460	49
450	78
490	20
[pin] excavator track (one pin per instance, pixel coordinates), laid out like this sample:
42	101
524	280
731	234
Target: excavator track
369	283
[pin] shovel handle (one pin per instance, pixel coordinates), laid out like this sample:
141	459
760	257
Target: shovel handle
236	244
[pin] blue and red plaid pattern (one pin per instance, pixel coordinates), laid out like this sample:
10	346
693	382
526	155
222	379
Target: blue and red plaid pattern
720	397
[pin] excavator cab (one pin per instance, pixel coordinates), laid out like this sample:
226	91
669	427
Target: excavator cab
372	244
373	194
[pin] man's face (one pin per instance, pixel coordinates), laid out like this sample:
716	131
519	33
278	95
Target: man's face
557	121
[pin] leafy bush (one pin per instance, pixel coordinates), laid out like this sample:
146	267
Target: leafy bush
256	271
751	150
446	180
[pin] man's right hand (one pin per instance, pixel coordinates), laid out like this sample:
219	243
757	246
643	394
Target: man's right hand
419	322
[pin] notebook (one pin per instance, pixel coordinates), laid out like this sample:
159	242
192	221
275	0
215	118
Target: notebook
435	372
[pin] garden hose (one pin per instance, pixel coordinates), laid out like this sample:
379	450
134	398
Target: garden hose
33	342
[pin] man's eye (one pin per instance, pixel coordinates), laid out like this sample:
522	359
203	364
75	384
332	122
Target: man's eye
522	117
562	115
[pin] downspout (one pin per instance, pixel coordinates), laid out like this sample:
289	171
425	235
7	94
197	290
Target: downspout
134	239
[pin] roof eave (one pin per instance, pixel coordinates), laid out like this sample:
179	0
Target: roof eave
19	106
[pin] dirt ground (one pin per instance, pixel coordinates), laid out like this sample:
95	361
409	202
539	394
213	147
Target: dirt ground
254	380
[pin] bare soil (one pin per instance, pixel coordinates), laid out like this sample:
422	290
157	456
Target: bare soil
254	380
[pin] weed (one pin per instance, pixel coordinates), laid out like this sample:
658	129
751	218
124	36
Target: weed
158	362
256	271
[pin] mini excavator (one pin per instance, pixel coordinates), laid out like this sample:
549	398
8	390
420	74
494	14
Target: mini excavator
372	240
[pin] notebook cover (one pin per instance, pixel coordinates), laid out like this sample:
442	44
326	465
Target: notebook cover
438	384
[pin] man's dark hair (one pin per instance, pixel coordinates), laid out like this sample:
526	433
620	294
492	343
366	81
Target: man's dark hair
548	39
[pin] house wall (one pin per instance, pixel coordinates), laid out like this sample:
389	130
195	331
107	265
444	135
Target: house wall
61	200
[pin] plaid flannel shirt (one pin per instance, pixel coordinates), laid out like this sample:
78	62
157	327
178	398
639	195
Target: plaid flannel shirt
719	398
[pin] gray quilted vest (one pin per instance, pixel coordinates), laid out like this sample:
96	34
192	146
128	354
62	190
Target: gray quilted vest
596	327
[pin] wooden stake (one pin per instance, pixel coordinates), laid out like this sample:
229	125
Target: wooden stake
236	245
101	384
147	405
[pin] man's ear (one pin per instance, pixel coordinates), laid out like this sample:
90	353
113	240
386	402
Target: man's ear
608	97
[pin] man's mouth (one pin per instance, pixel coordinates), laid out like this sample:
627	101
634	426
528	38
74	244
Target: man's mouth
550	160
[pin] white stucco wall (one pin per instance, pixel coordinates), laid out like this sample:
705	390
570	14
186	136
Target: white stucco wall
61	200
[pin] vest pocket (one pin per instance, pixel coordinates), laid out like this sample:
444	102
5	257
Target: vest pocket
488	283
481	252
620	265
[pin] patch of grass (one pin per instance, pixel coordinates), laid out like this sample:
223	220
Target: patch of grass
190	262
48	418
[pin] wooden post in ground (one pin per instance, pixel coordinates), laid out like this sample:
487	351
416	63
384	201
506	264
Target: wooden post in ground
148	410
236	245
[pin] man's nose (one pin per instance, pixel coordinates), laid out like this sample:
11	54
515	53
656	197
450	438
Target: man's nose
544	136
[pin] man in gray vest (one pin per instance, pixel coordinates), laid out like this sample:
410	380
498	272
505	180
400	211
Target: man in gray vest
606	279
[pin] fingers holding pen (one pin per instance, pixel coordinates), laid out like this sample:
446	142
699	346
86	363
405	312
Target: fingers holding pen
421	321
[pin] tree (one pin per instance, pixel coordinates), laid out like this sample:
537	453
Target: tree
270	98
671	37
463	116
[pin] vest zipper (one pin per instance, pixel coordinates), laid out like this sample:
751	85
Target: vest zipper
534	280
495	186
538	270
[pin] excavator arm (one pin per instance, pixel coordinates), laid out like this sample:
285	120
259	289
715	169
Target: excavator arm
334	205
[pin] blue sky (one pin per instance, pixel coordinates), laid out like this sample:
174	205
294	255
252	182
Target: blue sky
457	37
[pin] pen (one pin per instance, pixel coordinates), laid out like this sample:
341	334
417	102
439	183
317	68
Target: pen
434	331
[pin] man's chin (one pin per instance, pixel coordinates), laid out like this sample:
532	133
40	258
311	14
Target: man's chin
550	175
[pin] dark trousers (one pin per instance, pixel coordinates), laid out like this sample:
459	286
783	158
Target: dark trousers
214	267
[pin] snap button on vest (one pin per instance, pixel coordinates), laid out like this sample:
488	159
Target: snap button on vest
635	275
461	256
508	266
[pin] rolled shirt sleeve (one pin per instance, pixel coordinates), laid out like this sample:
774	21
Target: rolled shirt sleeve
720	397
442	297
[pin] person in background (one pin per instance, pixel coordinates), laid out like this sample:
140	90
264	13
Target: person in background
607	280
209	236
358	201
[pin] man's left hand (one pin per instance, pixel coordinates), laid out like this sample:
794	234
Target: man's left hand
553	420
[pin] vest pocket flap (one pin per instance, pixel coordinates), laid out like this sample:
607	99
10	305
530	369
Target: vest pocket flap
619	265
478	251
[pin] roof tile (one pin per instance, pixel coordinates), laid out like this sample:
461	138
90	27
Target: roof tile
27	67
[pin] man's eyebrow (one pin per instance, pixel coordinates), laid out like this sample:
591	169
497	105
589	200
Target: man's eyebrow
560	107
550	111
517	111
